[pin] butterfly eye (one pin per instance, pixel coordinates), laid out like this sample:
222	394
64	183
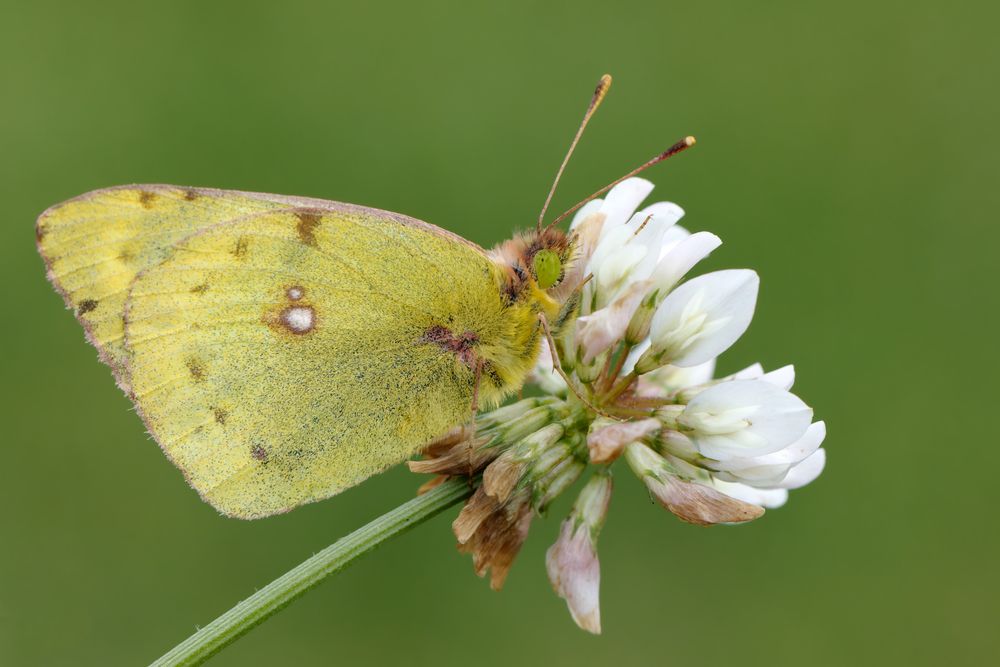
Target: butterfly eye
548	268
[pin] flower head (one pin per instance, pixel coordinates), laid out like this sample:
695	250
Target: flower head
636	381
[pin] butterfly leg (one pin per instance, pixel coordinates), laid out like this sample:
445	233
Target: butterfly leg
570	305
477	378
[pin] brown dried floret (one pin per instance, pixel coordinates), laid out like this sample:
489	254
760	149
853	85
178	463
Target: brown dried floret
493	533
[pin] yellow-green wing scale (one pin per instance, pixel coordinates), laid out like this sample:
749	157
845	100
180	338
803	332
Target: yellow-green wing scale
281	349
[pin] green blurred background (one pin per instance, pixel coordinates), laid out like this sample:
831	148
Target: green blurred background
847	151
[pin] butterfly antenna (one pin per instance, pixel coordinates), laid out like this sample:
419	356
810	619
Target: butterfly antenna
681	145
602	89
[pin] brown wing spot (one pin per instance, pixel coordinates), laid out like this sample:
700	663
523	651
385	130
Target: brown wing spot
308	222
39	232
462	346
190	195
146	198
220	416
259	453
240	251
126	256
196	368
86	306
199	289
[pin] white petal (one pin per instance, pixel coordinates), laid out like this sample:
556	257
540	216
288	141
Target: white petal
770	469
624	255
614	266
634	354
588	209
675	378
586	233
699	374
745	418
782	378
627	252
682	257
650	235
769	498
667	212
704	316
612	260
598	331
751	372
805	446
805	472
674	235
622	201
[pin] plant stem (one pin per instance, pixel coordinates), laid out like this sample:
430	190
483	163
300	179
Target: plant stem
609	379
250	612
618	389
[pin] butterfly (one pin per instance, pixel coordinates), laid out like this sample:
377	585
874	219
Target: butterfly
282	349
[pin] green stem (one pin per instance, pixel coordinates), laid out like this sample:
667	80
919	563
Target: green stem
618	389
609	379
250	612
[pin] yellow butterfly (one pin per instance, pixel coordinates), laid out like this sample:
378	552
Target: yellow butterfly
281	349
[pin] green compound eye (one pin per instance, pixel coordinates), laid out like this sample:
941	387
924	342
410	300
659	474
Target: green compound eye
547	267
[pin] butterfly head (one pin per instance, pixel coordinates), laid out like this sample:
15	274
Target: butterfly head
534	261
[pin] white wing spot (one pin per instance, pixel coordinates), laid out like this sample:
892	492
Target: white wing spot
295	293
299	319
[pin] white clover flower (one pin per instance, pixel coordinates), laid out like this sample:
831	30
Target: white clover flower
742	418
638	259
676	259
701	319
635	380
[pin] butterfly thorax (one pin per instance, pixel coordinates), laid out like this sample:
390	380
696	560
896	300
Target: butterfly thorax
509	357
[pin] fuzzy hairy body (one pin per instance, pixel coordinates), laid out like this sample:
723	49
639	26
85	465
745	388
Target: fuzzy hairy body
282	349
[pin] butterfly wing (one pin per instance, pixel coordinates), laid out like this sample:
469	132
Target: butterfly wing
283	355
96	244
